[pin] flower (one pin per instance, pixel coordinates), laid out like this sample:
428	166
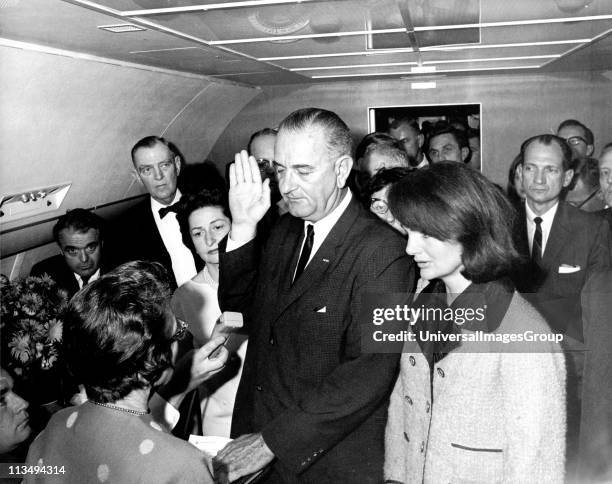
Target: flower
56	328
20	347
30	311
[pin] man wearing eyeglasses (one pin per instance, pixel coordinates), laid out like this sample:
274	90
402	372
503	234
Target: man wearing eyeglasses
579	137
149	230
79	236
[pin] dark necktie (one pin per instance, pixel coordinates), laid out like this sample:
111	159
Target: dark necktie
85	280
306	250
536	248
166	210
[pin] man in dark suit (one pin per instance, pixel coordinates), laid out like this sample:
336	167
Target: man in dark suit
149	230
79	235
310	402
564	244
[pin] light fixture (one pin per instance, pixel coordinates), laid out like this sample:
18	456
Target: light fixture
422	69
121	28
441	71
423	85
29	203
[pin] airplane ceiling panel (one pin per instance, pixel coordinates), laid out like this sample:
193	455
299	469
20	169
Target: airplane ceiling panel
237	38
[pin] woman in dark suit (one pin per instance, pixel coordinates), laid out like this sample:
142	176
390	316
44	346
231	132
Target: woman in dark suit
467	406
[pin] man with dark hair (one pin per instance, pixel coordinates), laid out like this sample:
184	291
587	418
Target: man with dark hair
447	143
261	144
149	230
310	402
579	137
80	237
407	131
565	246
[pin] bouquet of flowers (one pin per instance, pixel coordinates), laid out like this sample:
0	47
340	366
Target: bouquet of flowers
30	324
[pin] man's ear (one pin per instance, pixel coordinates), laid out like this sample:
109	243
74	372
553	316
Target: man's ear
421	139
567	177
590	149
342	169
465	152
177	164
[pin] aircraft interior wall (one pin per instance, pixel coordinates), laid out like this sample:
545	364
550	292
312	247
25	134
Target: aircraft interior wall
513	108
72	118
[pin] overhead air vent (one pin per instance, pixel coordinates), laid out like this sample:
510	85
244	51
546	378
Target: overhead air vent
121	28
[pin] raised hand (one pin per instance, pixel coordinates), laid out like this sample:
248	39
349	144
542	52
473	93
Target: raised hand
249	197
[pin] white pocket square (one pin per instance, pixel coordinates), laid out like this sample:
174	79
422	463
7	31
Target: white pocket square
322	310
567	269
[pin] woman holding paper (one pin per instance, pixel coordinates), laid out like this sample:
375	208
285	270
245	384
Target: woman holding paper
204	219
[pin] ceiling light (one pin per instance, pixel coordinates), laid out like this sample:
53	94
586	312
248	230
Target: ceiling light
403	73
352	66
121	28
423	85
494	59
423	69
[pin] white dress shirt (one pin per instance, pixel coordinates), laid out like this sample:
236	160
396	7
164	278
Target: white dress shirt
323	227
547	220
79	279
183	265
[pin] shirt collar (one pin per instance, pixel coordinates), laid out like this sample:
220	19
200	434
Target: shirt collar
324	226
155	205
95	275
546	217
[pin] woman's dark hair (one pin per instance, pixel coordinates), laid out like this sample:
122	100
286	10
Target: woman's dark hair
214	197
513	195
450	201
116	332
384	177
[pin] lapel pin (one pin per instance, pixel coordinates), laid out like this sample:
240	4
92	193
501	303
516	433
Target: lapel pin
326	260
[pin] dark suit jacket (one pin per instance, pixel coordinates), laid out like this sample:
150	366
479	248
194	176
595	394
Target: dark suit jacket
580	241
594	462
56	268
319	402
607	214
135	237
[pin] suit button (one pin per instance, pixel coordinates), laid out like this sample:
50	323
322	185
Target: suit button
258	388
427	407
272	340
422	447
406	437
441	372
412	360
408	399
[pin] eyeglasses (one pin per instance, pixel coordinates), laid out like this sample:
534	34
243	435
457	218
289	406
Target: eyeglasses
576	140
378	205
181	330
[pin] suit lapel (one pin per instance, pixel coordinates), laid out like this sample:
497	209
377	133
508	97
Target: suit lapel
156	244
557	238
321	261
